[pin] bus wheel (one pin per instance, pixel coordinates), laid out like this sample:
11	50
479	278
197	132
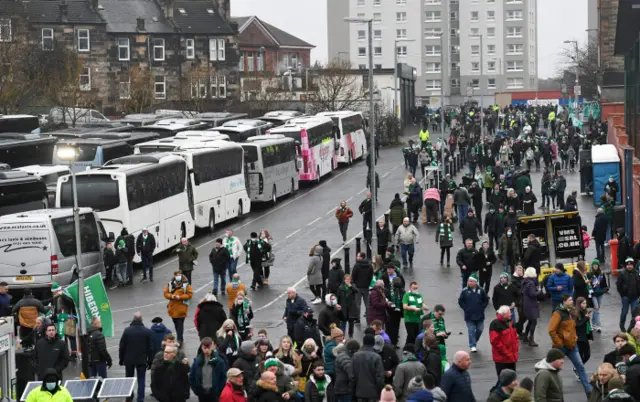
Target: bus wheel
350	159
212	220
274	195
293	187
183	231
318	171
240	212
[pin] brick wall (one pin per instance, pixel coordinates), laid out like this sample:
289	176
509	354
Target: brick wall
608	21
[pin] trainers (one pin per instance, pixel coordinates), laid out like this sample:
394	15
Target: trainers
598	329
317	301
474	349
143	280
575	372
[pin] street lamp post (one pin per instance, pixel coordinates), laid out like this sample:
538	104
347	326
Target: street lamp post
70	155
372	137
480	81
396	108
575	107
442	78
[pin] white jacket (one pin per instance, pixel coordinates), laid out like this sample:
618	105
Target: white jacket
236	248
407	235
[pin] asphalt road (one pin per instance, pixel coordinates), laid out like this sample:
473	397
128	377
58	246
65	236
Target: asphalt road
298	222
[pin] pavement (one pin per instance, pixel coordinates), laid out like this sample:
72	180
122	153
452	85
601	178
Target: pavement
298	222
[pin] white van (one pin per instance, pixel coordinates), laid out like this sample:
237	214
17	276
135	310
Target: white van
80	115
38	248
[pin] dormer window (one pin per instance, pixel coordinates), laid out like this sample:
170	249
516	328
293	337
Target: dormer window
182	11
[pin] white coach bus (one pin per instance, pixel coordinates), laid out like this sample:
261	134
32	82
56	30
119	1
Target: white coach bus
351	141
270	161
135	192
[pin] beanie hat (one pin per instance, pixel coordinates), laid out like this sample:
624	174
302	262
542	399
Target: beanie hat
415	384
336	260
387	394
247	346
615	383
370	331
554	354
322	243
378	343
474	277
270	363
595	262
504	275
629	259
55	287
353	345
408	348
506	377
368	340
560	266
336	332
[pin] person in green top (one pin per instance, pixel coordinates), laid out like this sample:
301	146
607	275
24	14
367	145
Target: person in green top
439	328
187	257
414	306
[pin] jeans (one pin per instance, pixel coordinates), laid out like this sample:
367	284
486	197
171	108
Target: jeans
465	274
141	372
531	328
362	295
412	169
219	276
343	229
474	329
600	252
121	272
147	263
597	304
507	265
98	369
574	356
178	323
555	304
462	212
608	238
233	263
404	249
343	326
626	304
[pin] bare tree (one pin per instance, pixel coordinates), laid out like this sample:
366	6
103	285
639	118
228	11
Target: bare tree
588	66
266	90
195	88
141	91
15	83
337	87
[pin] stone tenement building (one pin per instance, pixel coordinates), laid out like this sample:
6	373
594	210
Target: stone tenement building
188	47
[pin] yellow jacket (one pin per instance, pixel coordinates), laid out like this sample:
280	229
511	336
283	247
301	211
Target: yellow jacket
40	395
424	135
552	116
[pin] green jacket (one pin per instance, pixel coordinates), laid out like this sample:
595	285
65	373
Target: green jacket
396	214
488	180
186	256
522	182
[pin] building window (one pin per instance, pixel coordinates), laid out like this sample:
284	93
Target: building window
514	1
123	49
191	49
362	51
491	15
241	62
491	49
433	2
160	87
491	1
532	67
514	15
250	65
515	49
432	50
362	66
515	66
217	49
491	32
454	2
401	2
222	86
377	34
401	34
360	15
475	83
453	16
47	38
475	50
260	61
532	82
158	49
291	60
514	32
474	16
376	2
431	33
491	83
455	83
401	50
454	67
222	49
433	84
85	79
474	31
453	33
401	16
377	66
362	35
515	83
432	16
432	68
5	30
83	40
475	67
199	87
377	51
124	90
491	66
455	49
360	3
377	18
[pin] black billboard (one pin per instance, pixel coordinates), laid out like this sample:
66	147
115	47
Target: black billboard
567	234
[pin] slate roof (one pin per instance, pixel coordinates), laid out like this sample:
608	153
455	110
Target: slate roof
78	12
197	20
282	38
121	16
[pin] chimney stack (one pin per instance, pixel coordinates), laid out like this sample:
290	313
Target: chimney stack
140	24
94	5
64	8
167	8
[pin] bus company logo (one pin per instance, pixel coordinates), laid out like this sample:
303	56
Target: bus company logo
104	307
324	152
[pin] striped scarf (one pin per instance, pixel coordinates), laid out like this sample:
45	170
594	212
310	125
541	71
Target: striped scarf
449	234
229	244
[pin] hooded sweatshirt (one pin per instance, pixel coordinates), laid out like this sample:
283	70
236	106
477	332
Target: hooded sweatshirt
547	385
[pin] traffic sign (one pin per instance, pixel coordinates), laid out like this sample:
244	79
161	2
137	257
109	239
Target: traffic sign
577	90
418	101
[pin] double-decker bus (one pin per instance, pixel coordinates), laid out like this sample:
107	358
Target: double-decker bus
135	192
314	142
270	161
351	140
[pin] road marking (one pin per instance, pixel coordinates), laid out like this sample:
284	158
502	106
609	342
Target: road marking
385	175
329	211
293	233
362	191
349	199
312	222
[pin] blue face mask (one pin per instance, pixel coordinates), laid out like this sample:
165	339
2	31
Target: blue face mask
51	385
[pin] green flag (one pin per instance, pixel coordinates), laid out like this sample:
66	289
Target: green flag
96	302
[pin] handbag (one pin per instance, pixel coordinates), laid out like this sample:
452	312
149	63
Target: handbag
302	382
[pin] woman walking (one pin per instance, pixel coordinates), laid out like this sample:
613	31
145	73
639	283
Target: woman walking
242	314
600	287
444	236
343	215
530	304
269	257
314	274
582	316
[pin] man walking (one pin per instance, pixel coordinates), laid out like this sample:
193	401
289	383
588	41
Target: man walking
407	237
255	250
145	245
365	211
136	352
559	284
562	329
361	277
99	357
414	307
343	215
628	285
208	372
51	353
368	371
170	380
547	383
129	250
466	260
187	257
234	247
219	258
456	382
504	340
599	233
473	300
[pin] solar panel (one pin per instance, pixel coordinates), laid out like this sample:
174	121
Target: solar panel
31	385
117	388
81	389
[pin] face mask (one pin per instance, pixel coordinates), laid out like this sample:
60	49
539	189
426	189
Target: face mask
414	291
178	278
334	302
509	233
51	385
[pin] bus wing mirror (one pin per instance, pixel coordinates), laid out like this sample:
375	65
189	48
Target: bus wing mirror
196	178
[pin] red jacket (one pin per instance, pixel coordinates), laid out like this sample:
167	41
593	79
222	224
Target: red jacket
344	215
230	395
504	340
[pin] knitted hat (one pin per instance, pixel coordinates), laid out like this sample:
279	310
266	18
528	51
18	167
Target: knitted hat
353	345
595	262
368	340
322	243
336	261
378	343
247	346
408	348
55	287
629	259
387	394
560	266
504	275
157	320
554	354
474	277
506	377
270	363
615	383
415	384
336	332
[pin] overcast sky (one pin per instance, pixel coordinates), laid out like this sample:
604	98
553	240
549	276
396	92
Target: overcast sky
558	20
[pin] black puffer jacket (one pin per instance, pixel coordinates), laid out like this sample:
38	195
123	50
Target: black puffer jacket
170	382
248	364
209	318
532	255
471	228
343	368
467	257
336	278
98	347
